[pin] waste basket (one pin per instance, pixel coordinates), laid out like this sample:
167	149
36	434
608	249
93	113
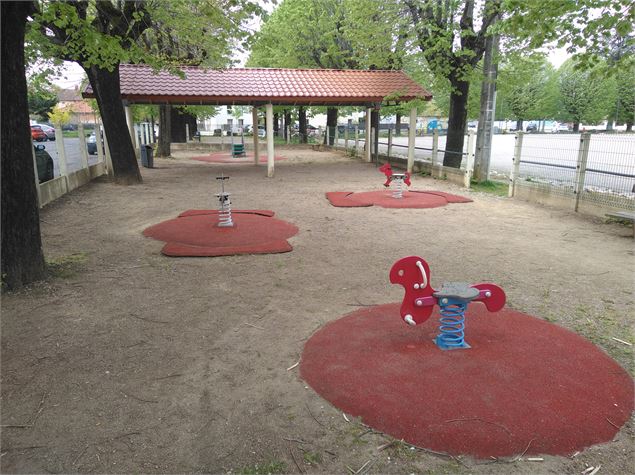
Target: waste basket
147	160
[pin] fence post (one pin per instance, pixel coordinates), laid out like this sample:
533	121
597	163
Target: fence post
337	136
389	142
187	133
98	142
513	176
580	172
356	139
328	136
469	165
37	179
83	151
111	171
346	138
288	134
435	154
61	151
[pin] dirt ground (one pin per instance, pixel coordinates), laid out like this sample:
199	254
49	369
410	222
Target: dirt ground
129	361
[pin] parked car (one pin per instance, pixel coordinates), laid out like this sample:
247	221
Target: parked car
38	134
91	144
532	128
44	164
262	132
48	130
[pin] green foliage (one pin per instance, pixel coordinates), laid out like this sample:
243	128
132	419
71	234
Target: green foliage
624	109
41	98
498	188
59	116
583	95
592	30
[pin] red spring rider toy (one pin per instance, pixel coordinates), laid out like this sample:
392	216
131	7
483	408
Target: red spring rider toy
413	273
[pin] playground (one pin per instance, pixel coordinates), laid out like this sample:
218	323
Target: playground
128	360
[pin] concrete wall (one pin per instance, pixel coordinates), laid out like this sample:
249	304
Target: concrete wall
57	187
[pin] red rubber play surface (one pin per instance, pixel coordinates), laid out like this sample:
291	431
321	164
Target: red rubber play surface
226	157
196	233
384	198
524	384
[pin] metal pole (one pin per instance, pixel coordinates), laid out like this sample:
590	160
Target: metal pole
412	127
583	154
270	151
469	165
187	133
389	143
513	176
328	135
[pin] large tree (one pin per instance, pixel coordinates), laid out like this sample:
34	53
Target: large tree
452	46
22	258
305	34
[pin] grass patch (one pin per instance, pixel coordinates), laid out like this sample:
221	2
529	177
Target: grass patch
497	188
275	466
67	266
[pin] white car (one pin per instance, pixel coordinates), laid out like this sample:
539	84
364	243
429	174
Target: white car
262	132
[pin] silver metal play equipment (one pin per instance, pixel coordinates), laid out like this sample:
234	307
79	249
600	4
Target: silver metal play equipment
225	205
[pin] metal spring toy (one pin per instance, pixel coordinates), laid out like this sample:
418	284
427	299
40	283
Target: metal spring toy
225	211
397	191
413	273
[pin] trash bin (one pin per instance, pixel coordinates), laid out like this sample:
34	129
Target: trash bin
147	160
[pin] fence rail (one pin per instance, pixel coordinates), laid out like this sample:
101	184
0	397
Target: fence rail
596	171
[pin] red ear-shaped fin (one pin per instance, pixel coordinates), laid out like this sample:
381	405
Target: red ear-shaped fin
496	299
413	274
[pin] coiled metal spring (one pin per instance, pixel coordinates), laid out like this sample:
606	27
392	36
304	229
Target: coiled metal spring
451	330
397	191
225	211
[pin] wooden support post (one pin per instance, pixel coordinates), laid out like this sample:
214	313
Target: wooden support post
580	172
328	136
367	142
513	175
270	151
356	140
187	133
412	128
254	118
83	151
373	146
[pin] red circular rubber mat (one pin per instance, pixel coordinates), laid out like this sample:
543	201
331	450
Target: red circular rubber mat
385	199
196	233
525	384
226	157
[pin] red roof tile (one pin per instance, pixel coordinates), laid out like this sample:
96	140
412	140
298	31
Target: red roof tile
261	85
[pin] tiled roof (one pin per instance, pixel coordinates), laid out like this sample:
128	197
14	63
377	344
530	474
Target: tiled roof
261	85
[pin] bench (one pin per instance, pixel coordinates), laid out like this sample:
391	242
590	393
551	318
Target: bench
624	215
238	149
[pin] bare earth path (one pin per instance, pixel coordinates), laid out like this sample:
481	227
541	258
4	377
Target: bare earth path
129	361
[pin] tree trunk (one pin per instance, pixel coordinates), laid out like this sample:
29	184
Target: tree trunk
456	125
178	120
609	125
576	127
519	125
287	123
106	88
276	124
165	131
398	130
331	123
629	126
22	257
304	138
